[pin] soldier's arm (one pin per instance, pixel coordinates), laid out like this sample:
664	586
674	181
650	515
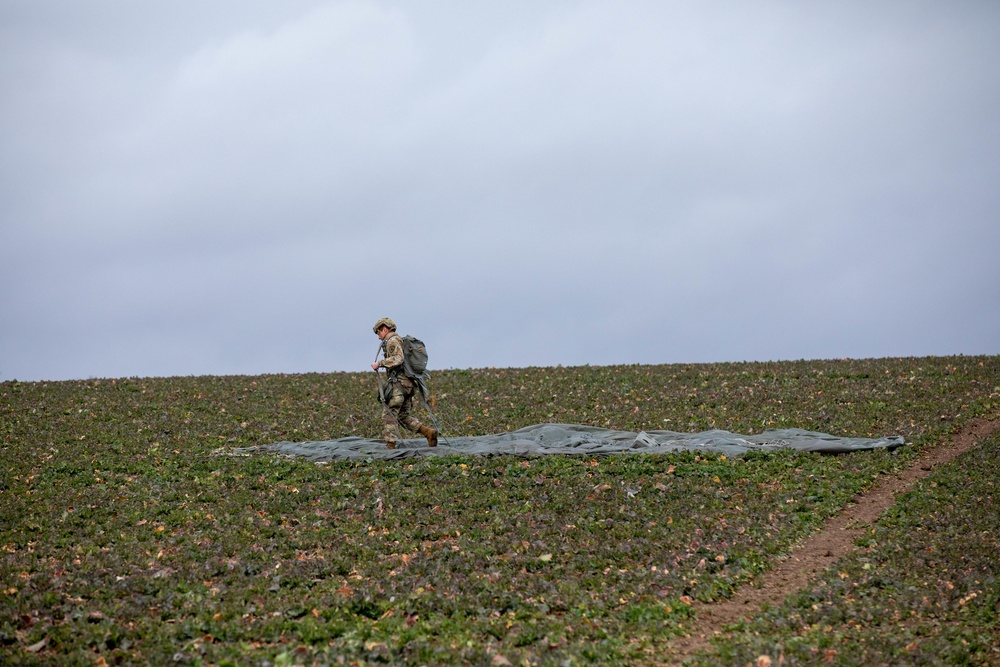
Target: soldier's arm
393	353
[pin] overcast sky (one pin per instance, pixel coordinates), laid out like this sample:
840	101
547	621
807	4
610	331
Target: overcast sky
244	187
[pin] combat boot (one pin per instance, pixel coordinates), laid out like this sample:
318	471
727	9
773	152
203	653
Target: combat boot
431	434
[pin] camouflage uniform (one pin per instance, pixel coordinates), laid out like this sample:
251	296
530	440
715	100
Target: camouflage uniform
398	393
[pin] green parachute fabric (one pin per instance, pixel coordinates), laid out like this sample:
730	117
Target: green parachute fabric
546	439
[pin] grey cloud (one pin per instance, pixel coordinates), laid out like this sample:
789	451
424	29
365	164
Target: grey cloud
244	187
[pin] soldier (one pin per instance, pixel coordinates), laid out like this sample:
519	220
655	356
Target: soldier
397	397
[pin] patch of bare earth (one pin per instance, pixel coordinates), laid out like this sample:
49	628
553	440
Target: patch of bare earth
834	541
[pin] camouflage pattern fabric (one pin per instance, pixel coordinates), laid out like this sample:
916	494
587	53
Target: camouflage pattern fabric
396	410
392	348
398	394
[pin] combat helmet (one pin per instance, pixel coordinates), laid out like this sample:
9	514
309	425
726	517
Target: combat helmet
384	322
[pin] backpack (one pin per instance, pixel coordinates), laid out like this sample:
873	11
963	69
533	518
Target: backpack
414	358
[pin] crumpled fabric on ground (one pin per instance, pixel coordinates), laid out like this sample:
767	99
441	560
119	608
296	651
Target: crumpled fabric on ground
546	439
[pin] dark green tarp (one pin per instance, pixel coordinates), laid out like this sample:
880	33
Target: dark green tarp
543	439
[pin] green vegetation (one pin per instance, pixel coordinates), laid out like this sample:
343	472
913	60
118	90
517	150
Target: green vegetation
923	590
126	536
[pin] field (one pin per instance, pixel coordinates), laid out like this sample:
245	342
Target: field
130	535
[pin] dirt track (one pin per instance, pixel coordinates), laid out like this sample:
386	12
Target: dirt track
834	541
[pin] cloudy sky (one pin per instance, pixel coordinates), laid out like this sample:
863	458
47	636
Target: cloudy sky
244	187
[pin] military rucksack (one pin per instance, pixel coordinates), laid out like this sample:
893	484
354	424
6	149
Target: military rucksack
414	357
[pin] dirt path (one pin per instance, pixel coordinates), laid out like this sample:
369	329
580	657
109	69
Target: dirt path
834	541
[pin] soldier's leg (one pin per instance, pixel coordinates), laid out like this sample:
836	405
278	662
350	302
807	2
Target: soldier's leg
392	416
414	424
389	427
405	418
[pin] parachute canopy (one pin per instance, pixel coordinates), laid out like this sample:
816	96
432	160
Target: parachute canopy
544	439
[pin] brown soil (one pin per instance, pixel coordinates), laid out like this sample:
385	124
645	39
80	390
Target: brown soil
834	541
